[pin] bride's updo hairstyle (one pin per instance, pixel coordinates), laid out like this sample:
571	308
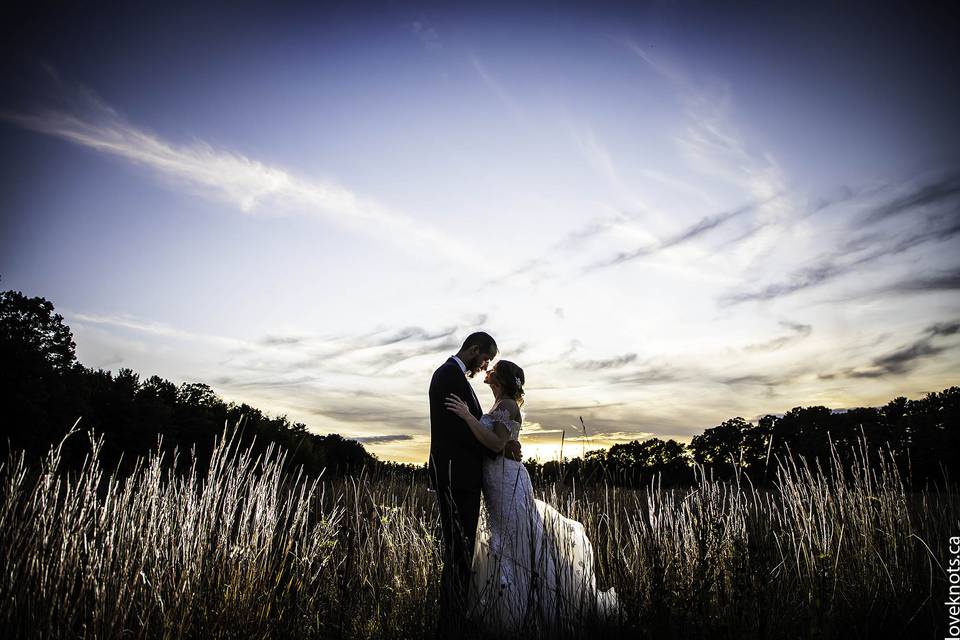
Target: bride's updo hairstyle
511	380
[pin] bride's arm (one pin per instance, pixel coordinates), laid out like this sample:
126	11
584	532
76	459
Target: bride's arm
493	440
511	449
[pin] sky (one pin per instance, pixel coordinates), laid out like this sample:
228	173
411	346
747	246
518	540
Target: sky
669	214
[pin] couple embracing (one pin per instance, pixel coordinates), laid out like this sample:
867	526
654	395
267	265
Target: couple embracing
519	564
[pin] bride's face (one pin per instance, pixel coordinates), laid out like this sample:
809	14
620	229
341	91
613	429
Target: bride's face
491	377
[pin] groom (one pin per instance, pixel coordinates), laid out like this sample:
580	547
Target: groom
456	470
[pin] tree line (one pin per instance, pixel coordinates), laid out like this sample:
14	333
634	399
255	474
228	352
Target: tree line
921	438
44	389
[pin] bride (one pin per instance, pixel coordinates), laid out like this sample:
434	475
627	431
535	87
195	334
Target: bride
532	567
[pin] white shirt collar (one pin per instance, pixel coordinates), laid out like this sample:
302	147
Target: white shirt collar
463	367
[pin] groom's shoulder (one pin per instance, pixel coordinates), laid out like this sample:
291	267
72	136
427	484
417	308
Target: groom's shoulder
450	363
446	369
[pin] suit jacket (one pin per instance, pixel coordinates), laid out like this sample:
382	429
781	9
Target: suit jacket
456	456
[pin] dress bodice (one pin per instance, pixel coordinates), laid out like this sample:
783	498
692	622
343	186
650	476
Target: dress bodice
488	420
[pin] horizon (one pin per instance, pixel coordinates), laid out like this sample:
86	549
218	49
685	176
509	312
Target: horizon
668	215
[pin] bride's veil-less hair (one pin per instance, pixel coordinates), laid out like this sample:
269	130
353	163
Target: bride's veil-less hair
511	380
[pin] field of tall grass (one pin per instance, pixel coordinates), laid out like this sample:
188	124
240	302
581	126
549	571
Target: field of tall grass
254	551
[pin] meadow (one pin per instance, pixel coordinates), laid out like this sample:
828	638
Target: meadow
253	548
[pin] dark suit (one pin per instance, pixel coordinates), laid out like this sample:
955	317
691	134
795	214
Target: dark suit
456	472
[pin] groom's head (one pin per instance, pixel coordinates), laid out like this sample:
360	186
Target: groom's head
477	352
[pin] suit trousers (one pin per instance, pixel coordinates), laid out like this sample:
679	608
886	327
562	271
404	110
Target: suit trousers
459	513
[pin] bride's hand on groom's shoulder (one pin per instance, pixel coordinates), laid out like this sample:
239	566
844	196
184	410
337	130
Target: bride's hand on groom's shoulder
458	406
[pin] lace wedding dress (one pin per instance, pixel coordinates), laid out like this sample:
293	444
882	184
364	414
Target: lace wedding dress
531	565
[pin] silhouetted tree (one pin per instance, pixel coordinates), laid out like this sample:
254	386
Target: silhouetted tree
346	456
933	425
722	449
38	363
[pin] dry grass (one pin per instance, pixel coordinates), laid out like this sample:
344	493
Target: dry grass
251	551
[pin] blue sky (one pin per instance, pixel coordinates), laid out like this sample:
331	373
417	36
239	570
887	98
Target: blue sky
668	214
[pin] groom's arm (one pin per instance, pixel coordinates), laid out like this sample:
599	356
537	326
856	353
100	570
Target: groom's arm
512	450
446	383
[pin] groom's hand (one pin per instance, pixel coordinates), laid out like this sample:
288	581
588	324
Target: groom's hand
512	450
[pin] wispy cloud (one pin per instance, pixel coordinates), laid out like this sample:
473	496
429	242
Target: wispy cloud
426	34
901	361
936	281
154	328
763	379
371	413
584	407
944	328
648	374
609	363
296	362
797	333
389	359
597	155
397	437
714	146
710	141
540	267
495	86
661	66
295	382
250	185
363	354
861	246
934	193
679	185
413	333
335	346
701	227
798	280
543	266
279	341
905	359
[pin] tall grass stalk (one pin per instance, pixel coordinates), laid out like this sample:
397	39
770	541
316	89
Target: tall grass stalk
253	551
242	552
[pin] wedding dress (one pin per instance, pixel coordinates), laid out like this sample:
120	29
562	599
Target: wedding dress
531	565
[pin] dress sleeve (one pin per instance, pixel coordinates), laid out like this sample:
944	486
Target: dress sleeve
502	416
